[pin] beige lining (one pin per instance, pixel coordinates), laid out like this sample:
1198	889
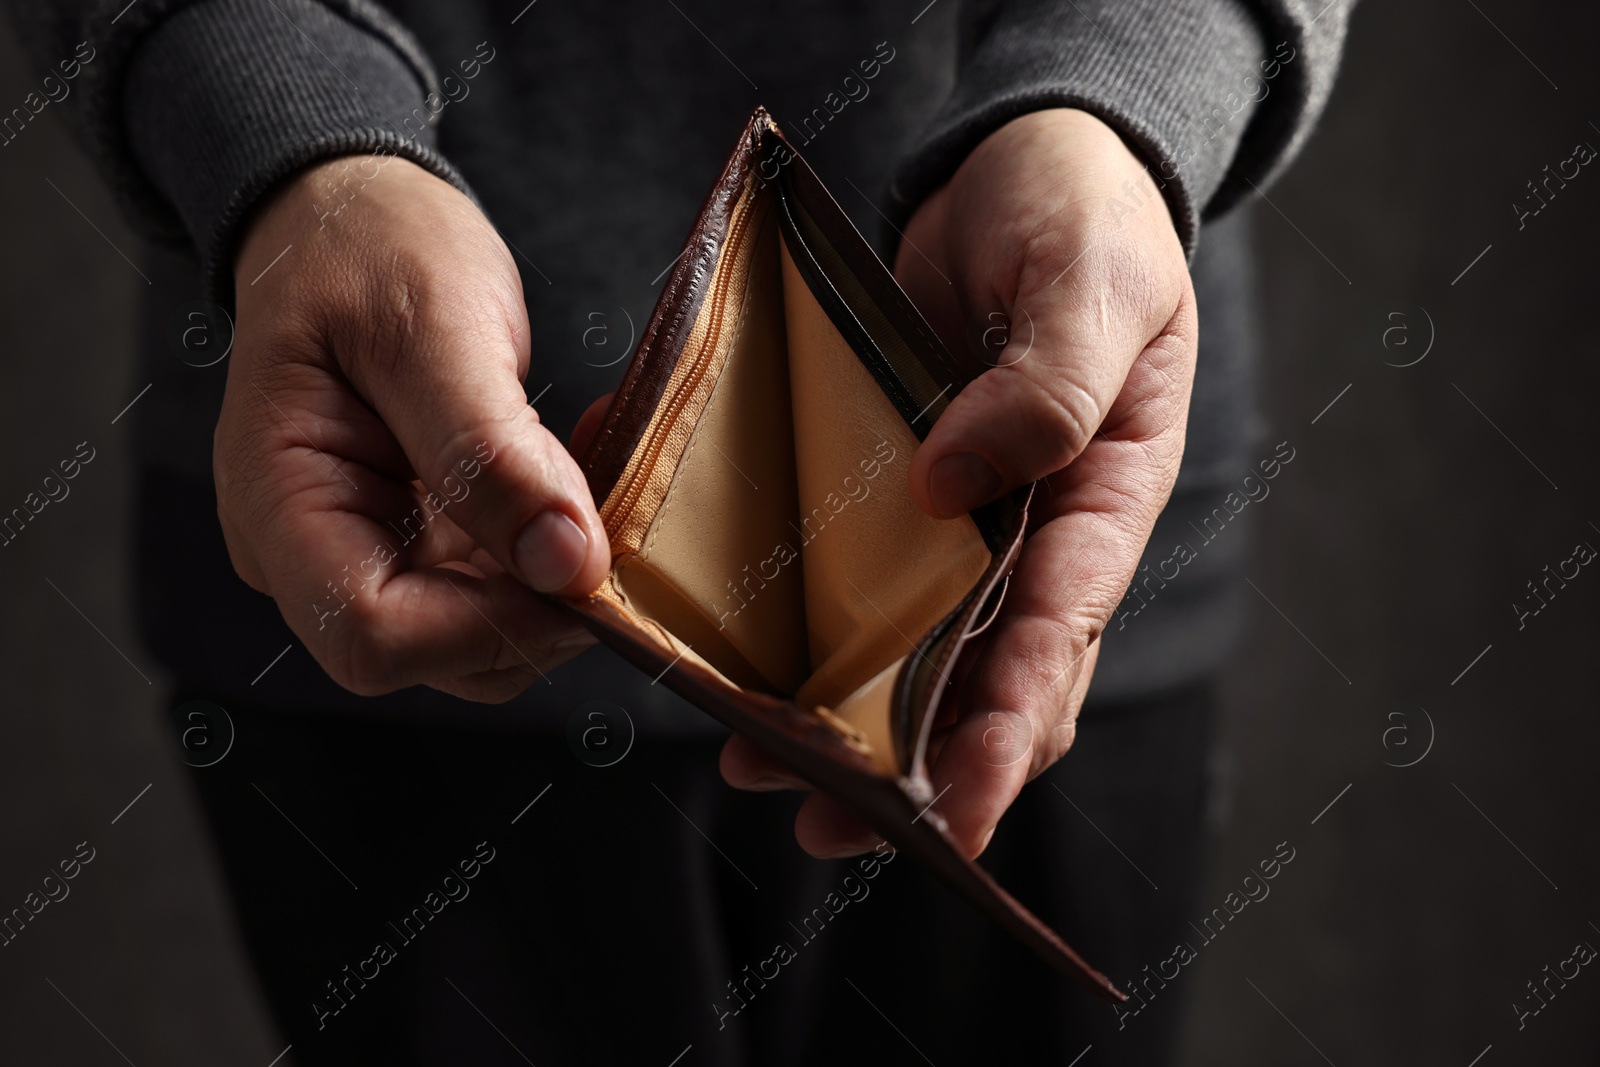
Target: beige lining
766	521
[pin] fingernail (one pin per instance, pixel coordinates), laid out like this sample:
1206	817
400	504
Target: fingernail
960	482
771	783
845	852
550	551
577	641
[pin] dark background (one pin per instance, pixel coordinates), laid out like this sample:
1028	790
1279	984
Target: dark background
1387	558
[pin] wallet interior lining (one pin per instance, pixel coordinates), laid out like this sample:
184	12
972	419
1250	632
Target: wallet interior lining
764	527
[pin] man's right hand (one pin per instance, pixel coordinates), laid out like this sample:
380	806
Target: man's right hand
378	360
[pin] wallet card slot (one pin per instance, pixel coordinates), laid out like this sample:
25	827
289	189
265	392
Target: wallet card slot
918	399
886	331
902	337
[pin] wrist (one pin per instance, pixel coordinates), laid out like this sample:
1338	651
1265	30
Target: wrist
222	101
321	203
1111	181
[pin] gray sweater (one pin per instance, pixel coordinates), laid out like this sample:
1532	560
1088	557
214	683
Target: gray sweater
589	134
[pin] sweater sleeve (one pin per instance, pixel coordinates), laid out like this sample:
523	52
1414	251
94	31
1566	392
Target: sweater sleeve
1215	96
194	109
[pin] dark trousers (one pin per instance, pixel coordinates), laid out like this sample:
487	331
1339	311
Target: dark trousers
403	904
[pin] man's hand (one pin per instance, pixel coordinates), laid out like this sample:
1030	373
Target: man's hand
1052	242
379	470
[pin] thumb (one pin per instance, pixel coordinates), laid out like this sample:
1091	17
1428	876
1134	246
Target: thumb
451	393
1034	231
1067	357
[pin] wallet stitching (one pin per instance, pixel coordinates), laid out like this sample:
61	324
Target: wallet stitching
672	492
634	485
694	438
682	294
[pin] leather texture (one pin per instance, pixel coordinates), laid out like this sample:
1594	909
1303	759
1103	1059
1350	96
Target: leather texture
768	562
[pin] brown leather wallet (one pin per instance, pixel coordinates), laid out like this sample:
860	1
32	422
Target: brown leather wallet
768	563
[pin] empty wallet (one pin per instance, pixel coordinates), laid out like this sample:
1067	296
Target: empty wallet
768	562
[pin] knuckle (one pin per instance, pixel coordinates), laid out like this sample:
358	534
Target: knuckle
494	652
359	674
360	656
504	655
1054	745
497	432
1039	651
501	686
1044	415
1068	413
1053	644
1094	602
1060	644
240	556
1129	502
239	477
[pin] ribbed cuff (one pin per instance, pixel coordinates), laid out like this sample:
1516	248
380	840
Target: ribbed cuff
226	98
1179	81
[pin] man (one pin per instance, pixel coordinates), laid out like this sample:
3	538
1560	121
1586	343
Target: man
419	216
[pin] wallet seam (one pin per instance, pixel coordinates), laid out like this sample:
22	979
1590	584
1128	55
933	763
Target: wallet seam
659	518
